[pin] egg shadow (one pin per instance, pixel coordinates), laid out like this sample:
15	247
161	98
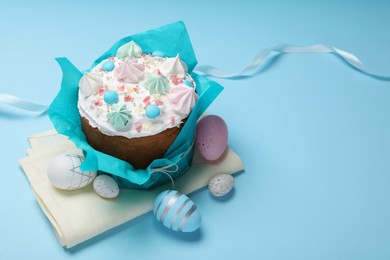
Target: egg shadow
225	198
231	194
182	236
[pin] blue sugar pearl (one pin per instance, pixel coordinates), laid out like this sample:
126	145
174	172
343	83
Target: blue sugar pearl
152	111
108	65
159	54
111	97
188	83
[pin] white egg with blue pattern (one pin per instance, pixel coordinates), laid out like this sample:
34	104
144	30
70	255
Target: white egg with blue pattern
176	211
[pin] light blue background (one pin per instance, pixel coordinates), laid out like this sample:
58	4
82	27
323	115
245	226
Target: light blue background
313	133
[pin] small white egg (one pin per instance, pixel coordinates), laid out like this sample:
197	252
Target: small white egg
221	185
106	187
64	172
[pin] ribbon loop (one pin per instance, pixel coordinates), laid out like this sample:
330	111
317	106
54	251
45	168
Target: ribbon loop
248	71
165	170
262	56
21	103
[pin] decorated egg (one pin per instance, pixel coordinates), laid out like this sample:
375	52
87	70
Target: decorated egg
176	211
211	137
106	187
221	185
64	172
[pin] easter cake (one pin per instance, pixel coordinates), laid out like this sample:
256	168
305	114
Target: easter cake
133	105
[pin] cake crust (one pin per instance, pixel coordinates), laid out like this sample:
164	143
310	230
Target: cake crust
139	152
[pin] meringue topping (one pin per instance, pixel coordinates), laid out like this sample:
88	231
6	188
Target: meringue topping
139	84
157	85
119	117
174	67
130	49
129	71
90	83
183	99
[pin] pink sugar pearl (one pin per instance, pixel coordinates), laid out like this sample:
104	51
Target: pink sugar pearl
211	137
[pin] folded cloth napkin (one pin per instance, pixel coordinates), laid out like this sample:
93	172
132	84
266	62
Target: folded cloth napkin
70	211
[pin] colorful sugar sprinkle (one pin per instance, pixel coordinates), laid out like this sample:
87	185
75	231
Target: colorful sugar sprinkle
138	128
121	88
146	99
128	98
101	91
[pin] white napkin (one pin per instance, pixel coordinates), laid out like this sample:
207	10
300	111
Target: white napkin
70	211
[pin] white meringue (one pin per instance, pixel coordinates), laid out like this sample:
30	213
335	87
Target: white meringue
90	83
174	67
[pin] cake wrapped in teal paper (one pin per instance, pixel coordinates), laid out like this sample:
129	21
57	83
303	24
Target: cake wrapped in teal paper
134	114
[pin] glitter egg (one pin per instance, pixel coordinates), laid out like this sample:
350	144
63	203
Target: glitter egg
188	83
159	54
152	111
176	211
111	97
108	65
221	185
64	172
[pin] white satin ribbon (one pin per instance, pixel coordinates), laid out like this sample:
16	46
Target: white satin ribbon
262	56
248	71
21	103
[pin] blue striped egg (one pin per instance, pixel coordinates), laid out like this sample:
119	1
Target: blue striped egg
176	211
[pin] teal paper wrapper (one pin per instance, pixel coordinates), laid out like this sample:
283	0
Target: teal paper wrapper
63	112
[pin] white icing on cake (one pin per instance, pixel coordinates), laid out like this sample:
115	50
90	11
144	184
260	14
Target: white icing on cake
136	97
